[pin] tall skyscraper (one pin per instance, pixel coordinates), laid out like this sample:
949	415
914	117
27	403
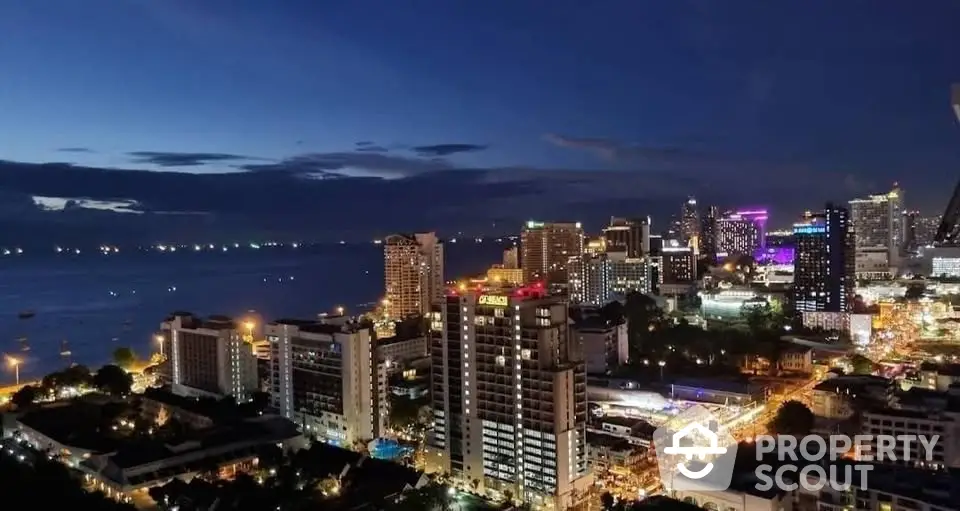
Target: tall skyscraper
509	396
630	236
708	233
878	223
328	378
413	274
743	232
546	249
690	224
208	356
824	271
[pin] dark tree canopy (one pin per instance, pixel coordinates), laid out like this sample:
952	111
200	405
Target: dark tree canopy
124	357
113	380
26	396
861	364
793	418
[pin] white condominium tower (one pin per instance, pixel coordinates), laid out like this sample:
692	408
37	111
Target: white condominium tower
509	395
327	377
413	274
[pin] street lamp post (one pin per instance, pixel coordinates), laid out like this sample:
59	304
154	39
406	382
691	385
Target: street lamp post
159	339
661	364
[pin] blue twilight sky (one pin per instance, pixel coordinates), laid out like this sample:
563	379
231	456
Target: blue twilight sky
508	109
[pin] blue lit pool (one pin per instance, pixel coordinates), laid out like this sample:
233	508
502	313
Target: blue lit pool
386	449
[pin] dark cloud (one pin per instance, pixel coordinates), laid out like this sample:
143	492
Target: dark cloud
362	164
75	150
175	159
446	149
370	147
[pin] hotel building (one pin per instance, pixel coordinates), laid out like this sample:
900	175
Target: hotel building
546	248
327	377
823	275
208	357
413	274
742	232
630	236
600	279
878	223
509	396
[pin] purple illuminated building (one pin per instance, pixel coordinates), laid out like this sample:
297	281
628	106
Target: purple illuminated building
775	255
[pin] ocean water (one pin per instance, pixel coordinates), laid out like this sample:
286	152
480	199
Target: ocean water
100	302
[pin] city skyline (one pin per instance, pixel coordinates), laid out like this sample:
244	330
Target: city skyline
246	120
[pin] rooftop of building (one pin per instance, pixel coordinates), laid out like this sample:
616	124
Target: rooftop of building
195	322
325	326
73	423
948	369
218	410
852	381
941	489
265	429
609	441
531	291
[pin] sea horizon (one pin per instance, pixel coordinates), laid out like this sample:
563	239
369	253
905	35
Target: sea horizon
97	303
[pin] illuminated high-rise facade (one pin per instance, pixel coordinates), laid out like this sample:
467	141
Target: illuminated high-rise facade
708	233
878	222
690	224
509	394
413	274
631	236
601	278
742	232
546	249
824	268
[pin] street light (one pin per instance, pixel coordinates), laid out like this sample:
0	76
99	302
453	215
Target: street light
661	364
340	310
15	364
159	339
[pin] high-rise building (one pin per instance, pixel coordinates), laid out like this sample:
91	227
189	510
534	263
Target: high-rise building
327	377
743	232
708	233
511	258
413	274
208	357
690	223
546	248
824	271
601	278
919	231
679	266
878	223
630	236
509	396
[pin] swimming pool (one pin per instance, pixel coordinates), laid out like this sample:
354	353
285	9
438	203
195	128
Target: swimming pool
386	449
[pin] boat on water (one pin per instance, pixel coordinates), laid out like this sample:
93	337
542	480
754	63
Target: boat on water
26	314
65	349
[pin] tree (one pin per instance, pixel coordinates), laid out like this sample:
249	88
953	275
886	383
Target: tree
124	357
643	317
113	380
793	418
259	401
915	291
607	501
26	396
861	364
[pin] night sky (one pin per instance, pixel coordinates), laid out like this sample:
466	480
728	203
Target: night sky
209	119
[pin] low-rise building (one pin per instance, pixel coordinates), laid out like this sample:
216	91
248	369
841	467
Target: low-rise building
604	343
742	495
611	453
894	488
835	398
